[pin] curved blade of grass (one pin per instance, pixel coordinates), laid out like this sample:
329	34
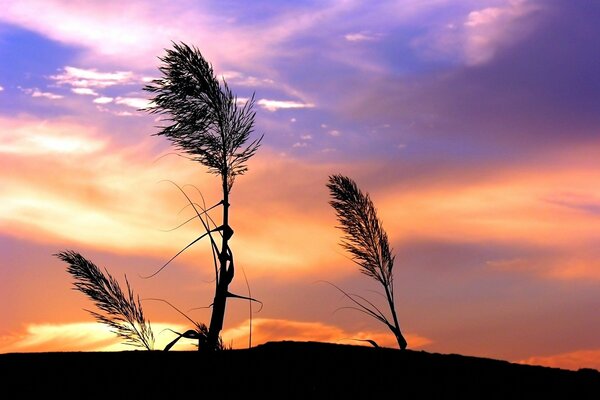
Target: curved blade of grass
189	334
175	256
378	315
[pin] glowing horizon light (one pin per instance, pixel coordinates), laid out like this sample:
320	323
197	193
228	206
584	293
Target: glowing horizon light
80	336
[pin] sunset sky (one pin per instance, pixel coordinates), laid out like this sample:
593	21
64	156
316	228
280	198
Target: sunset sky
473	124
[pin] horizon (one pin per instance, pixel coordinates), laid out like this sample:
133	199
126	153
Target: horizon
473	125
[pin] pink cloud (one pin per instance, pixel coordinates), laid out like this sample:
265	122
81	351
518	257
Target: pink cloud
103	100
35	92
84	91
475	37
362	37
136	31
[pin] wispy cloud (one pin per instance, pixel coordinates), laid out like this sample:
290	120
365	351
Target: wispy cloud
133	102
76	336
488	28
150	27
91	78
241	79
39	137
103	100
98	176
274	105
92	336
474	38
35	92
363	36
84	91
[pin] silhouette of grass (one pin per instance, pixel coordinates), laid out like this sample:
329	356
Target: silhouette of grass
122	313
205	120
366	240
199	334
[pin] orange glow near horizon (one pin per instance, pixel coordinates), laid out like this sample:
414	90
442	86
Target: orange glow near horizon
99	205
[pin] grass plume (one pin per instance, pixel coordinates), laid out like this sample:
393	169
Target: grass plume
366	240
122	312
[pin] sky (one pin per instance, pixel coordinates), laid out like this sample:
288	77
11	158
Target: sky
474	125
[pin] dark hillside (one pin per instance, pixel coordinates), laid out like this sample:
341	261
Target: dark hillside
288	370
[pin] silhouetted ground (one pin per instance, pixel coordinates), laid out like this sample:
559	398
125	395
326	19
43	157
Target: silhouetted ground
287	370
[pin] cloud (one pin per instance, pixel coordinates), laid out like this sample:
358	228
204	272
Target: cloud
334	133
150	27
92	336
35	92
488	28
241	79
107	197
274	105
77	336
1	88
582	265
103	100
134	102
91	78
34	138
92	26
84	91
573	360
475	37
82	199
510	104
363	36
266	329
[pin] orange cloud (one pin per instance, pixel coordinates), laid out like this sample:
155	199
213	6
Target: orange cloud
79	336
109	198
96	194
91	336
265	330
564	266
555	213
572	360
32	137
